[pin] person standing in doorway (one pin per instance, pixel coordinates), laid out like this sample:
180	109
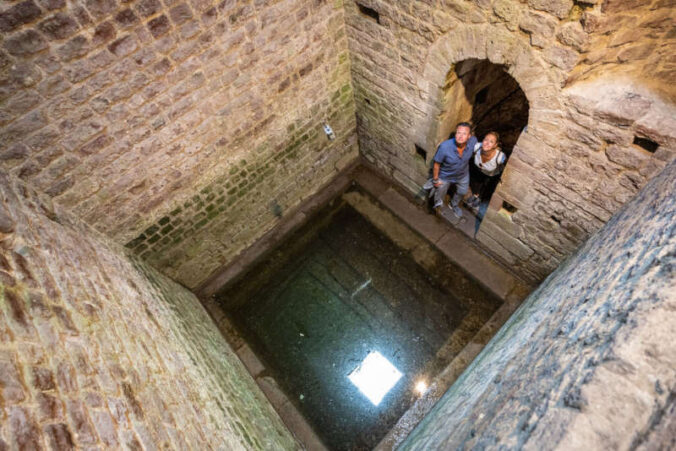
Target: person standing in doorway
488	162
451	168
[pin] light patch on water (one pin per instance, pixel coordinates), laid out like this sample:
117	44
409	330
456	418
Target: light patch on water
375	376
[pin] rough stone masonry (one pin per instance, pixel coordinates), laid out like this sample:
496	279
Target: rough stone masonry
182	129
185	129
100	351
598	76
588	361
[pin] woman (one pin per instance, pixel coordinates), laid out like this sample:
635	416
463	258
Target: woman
488	163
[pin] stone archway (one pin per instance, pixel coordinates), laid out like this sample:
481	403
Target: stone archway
586	151
541	86
485	95
500	47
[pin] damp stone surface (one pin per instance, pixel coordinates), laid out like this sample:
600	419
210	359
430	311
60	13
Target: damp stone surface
337	291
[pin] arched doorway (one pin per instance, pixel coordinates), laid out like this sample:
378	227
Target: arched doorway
487	96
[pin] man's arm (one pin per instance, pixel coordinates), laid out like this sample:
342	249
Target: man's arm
435	174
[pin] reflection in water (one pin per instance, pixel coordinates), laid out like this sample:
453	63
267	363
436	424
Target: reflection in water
375	376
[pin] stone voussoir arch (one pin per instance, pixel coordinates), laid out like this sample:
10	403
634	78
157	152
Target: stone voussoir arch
498	45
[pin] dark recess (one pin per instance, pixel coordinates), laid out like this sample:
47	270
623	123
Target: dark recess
509	207
645	143
421	152
481	96
582	4
370	12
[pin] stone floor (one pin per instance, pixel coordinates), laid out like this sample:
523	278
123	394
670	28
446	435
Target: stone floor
468	223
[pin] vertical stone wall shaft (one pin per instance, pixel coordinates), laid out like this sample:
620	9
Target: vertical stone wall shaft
99	350
186	125
588	360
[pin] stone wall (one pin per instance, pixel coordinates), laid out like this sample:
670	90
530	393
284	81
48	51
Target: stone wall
587	362
590	142
184	125
186	129
640	32
100	351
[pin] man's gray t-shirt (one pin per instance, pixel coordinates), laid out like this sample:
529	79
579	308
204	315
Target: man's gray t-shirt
453	166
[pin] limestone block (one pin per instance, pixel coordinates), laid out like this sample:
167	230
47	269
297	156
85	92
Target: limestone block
509	11
660	19
516	186
622	111
629	157
59	26
561	57
495	247
636	52
25	43
19	14
573	35
540	26
502	48
590	21
559	8
506	240
250	360
153	347
651	168
500	221
612	6
623	37
658	124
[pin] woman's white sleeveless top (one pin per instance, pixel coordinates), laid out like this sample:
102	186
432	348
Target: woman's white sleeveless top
491	167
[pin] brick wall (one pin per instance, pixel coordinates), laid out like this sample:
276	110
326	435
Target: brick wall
123	111
578	161
588	359
99	350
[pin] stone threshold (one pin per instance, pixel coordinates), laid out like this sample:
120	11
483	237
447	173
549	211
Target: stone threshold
453	243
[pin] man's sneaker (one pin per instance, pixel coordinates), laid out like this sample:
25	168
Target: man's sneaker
457	211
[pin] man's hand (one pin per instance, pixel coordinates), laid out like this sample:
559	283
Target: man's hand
437	183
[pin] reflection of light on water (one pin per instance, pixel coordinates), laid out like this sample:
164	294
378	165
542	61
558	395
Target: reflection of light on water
374	377
421	387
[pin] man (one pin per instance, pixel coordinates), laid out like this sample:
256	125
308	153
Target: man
451	167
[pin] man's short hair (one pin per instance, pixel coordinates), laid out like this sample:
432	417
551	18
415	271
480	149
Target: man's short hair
464	124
